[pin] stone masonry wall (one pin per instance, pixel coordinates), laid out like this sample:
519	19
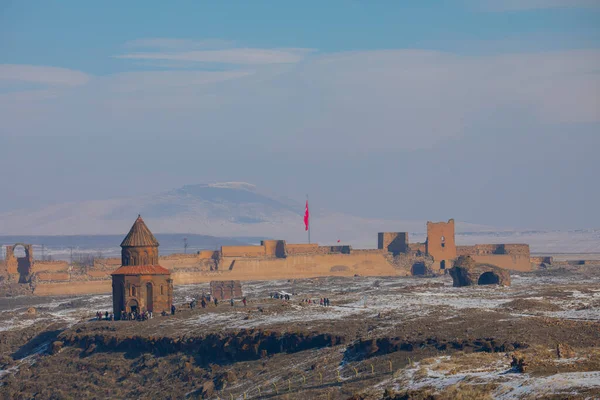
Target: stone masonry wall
487	249
393	242
441	243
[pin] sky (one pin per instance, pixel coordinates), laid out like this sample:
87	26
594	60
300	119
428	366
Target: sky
486	111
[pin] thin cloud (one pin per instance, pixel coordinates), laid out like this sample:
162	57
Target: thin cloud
517	5
179	44
237	56
42	75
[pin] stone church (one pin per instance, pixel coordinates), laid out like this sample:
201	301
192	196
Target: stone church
140	284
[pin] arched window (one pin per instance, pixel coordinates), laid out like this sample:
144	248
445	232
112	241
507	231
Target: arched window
162	290
443	241
133	291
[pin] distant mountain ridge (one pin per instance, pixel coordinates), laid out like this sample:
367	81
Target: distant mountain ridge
227	209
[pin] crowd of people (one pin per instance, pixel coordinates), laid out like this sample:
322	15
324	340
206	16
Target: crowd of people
282	296
136	316
106	316
133	315
206	300
324	301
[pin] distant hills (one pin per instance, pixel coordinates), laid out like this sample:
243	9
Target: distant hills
229	209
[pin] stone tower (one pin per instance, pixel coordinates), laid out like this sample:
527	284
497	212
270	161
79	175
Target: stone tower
140	284
139	247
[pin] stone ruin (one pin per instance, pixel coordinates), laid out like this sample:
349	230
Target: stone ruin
225	290
466	272
19	267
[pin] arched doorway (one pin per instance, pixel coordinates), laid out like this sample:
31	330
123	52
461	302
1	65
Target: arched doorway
418	269
133	306
488	278
443	264
149	297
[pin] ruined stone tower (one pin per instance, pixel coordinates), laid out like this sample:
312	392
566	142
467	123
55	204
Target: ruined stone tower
140	284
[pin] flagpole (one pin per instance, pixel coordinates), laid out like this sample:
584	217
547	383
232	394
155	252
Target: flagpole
309	224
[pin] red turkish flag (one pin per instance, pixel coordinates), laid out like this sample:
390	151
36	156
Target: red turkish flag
306	217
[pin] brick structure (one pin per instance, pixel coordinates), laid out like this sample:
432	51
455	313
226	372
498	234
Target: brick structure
225	290
140	284
19	268
393	242
467	272
440	244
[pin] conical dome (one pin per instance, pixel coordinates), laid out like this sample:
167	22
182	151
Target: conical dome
139	235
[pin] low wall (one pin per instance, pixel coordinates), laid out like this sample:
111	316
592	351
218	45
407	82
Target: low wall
541	261
302	248
361	262
242	251
53	276
505	261
495	249
206	254
50	266
308	266
417	247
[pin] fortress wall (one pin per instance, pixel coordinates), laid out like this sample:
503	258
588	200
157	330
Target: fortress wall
302	248
538	261
415	247
270	247
369	251
179	256
50	266
505	261
177	261
483	249
517	249
206	254
306	266
361	262
393	242
243	251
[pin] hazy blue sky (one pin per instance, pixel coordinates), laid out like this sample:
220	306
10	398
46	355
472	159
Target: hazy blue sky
487	111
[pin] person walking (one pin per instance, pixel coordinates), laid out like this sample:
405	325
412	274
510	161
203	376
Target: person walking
244	301
173	309
231	301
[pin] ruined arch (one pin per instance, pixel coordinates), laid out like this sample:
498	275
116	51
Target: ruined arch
20	265
488	278
418	268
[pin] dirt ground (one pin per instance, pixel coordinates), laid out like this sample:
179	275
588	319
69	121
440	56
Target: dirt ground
381	338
